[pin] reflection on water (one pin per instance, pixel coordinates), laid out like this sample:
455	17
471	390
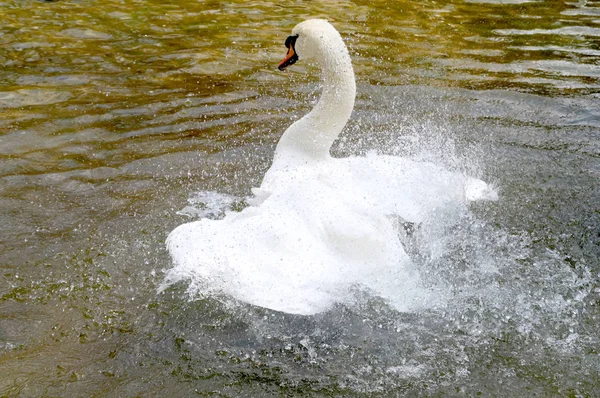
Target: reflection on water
113	114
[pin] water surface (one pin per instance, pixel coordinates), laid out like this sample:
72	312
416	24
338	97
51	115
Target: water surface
115	114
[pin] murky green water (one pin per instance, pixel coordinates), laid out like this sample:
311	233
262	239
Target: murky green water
113	113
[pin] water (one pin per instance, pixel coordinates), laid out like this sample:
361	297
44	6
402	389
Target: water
114	114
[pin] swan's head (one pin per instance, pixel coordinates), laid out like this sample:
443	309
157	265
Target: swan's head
314	40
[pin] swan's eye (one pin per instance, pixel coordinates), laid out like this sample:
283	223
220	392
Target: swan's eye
290	41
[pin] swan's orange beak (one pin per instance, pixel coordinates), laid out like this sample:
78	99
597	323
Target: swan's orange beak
291	57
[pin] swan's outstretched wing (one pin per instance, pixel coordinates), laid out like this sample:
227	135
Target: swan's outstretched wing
414	190
299	251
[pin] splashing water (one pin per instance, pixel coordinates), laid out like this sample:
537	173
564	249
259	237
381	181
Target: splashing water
413	285
475	290
466	273
209	204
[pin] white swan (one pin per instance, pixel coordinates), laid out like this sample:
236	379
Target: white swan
318	226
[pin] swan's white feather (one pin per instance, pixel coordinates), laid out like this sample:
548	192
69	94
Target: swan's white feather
318	226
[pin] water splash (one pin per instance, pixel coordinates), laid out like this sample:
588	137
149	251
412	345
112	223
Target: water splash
209	204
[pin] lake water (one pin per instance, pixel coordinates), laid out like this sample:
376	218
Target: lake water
120	120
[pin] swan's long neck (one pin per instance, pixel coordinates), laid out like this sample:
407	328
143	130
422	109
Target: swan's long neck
311	137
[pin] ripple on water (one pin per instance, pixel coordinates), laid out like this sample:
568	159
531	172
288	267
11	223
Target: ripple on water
86	34
52	80
31	44
120	15
502	2
595	12
551	67
567	31
574	50
28	97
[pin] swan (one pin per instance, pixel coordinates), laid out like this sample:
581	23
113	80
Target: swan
319	226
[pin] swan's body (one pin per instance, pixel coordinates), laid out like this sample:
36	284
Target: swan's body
318	226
